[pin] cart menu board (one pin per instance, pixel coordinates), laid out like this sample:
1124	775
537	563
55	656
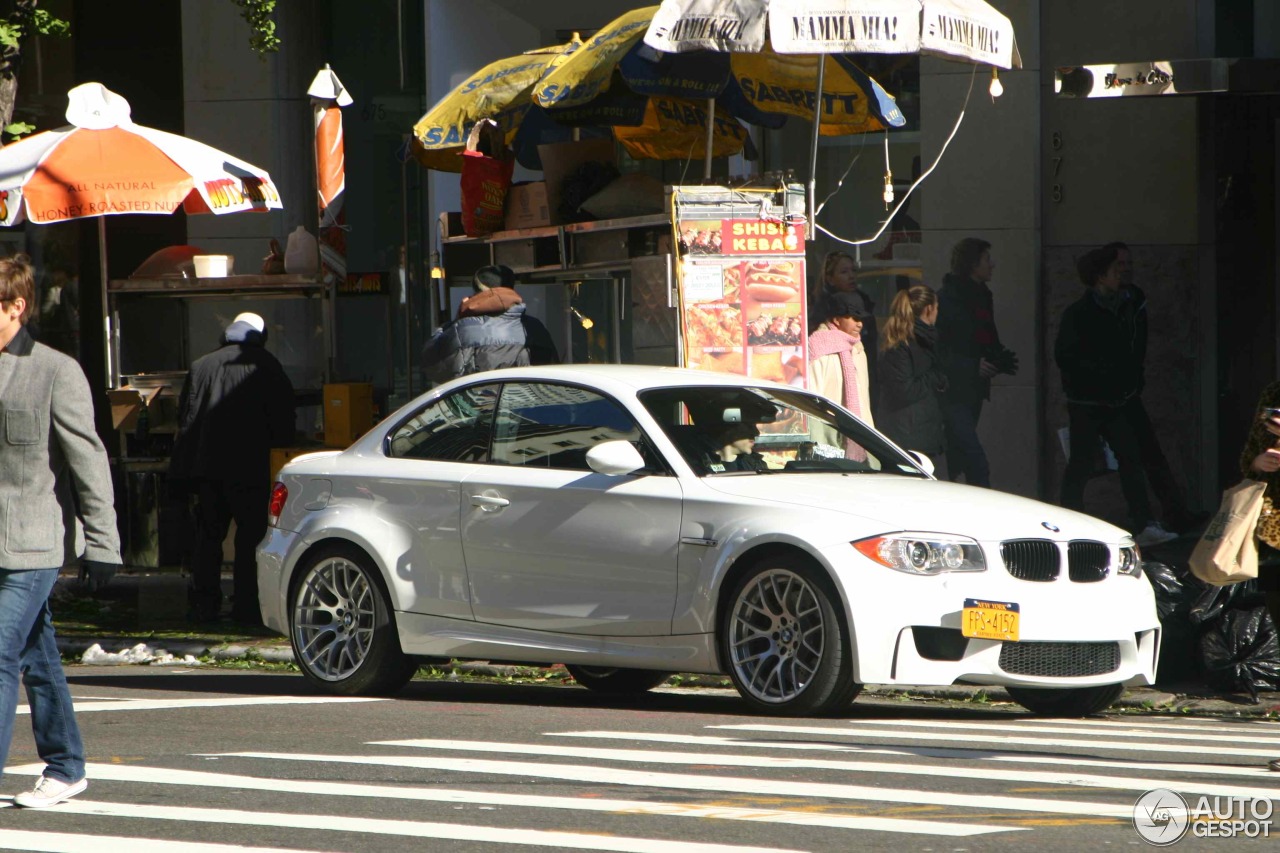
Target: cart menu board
742	297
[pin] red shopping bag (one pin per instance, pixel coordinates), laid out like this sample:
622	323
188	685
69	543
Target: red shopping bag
486	177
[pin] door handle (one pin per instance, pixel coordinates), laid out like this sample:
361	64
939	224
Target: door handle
489	502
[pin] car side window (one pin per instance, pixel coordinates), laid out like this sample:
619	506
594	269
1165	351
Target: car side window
553	426
455	428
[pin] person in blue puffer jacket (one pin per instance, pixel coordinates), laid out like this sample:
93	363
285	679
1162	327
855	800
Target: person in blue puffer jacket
492	331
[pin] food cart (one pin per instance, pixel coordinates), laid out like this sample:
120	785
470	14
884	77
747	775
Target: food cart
159	325
647	290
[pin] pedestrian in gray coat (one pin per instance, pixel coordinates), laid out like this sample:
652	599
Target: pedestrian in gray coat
56	504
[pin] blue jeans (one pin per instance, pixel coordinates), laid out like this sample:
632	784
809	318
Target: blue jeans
28	651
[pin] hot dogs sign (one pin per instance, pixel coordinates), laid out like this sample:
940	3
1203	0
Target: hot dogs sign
742	285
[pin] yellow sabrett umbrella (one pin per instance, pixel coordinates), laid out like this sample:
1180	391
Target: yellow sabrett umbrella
500	91
760	88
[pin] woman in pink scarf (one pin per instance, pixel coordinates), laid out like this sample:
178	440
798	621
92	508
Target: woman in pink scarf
838	364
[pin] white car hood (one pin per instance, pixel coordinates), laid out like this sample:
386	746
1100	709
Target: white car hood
902	503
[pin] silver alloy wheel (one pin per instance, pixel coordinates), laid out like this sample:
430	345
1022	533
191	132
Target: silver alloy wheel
776	636
333	619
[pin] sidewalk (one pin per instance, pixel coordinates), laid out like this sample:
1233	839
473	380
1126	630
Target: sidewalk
149	607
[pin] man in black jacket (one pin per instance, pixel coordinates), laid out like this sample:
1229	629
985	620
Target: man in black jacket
971	354
236	404
1101	350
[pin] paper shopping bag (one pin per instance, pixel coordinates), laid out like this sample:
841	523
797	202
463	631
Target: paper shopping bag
486	178
1227	552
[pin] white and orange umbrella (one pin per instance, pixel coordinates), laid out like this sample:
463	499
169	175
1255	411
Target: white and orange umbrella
103	164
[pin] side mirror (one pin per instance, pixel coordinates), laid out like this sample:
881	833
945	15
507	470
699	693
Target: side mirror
923	461
614	458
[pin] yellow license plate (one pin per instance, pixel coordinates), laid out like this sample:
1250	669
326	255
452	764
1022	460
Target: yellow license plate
990	620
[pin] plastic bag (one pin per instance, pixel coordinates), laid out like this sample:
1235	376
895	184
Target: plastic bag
1239	643
1241	652
1176	590
486	179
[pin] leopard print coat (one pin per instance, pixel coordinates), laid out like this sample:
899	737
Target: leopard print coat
1259	440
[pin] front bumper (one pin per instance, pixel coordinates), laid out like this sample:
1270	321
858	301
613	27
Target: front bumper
885	607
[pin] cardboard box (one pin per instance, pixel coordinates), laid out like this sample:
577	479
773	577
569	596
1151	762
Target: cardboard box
449	224
527	206
348	412
562	159
127	404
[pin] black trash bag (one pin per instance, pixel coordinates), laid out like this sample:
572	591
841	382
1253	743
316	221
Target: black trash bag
1239	643
1214	601
581	184
1176	590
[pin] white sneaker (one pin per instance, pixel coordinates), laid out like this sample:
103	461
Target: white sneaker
49	792
1154	534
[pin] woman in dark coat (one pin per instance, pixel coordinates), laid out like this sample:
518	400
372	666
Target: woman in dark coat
910	374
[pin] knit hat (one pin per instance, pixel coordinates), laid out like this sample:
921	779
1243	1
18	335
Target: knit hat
847	303
493	276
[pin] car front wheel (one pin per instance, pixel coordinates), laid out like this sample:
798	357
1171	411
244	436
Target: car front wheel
341	627
783	641
619	682
1066	702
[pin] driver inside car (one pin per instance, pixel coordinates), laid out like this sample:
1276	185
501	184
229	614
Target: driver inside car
736	446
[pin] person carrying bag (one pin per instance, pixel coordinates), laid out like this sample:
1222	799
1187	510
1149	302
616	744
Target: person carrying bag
1227	553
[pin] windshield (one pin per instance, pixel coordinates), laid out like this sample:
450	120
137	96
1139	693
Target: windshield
723	430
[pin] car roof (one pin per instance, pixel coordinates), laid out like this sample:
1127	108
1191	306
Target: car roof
634	376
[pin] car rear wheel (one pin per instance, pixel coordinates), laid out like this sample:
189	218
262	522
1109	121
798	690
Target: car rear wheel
784	642
1066	702
619	682
341	627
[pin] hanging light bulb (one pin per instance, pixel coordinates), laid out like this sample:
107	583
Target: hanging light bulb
996	88
586	321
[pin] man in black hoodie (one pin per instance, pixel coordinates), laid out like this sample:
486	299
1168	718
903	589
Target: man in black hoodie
971	354
236	404
1101	350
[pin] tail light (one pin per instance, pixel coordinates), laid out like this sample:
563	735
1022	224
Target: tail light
279	494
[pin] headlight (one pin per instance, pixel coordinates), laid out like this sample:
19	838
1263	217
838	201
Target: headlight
1130	561
924	553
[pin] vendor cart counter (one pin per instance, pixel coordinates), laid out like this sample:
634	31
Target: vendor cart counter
154	322
630	257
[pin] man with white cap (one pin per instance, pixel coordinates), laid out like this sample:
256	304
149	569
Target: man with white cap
236	404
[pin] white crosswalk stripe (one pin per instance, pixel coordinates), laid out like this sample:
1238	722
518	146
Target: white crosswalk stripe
992	735
945	778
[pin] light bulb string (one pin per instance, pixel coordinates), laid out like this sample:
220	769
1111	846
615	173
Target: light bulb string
884	225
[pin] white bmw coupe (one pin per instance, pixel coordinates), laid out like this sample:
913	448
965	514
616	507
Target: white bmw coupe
630	522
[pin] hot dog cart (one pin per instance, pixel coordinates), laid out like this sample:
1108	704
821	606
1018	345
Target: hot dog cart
717	282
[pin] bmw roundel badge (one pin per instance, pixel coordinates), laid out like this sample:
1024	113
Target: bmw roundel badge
1051	527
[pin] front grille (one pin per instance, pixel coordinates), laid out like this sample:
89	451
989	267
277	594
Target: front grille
1031	559
1059	660
1088	562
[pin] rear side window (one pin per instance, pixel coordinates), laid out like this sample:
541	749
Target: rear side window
553	426
455	428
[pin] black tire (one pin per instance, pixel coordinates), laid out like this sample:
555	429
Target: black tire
618	682
784	641
1067	701
341	625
